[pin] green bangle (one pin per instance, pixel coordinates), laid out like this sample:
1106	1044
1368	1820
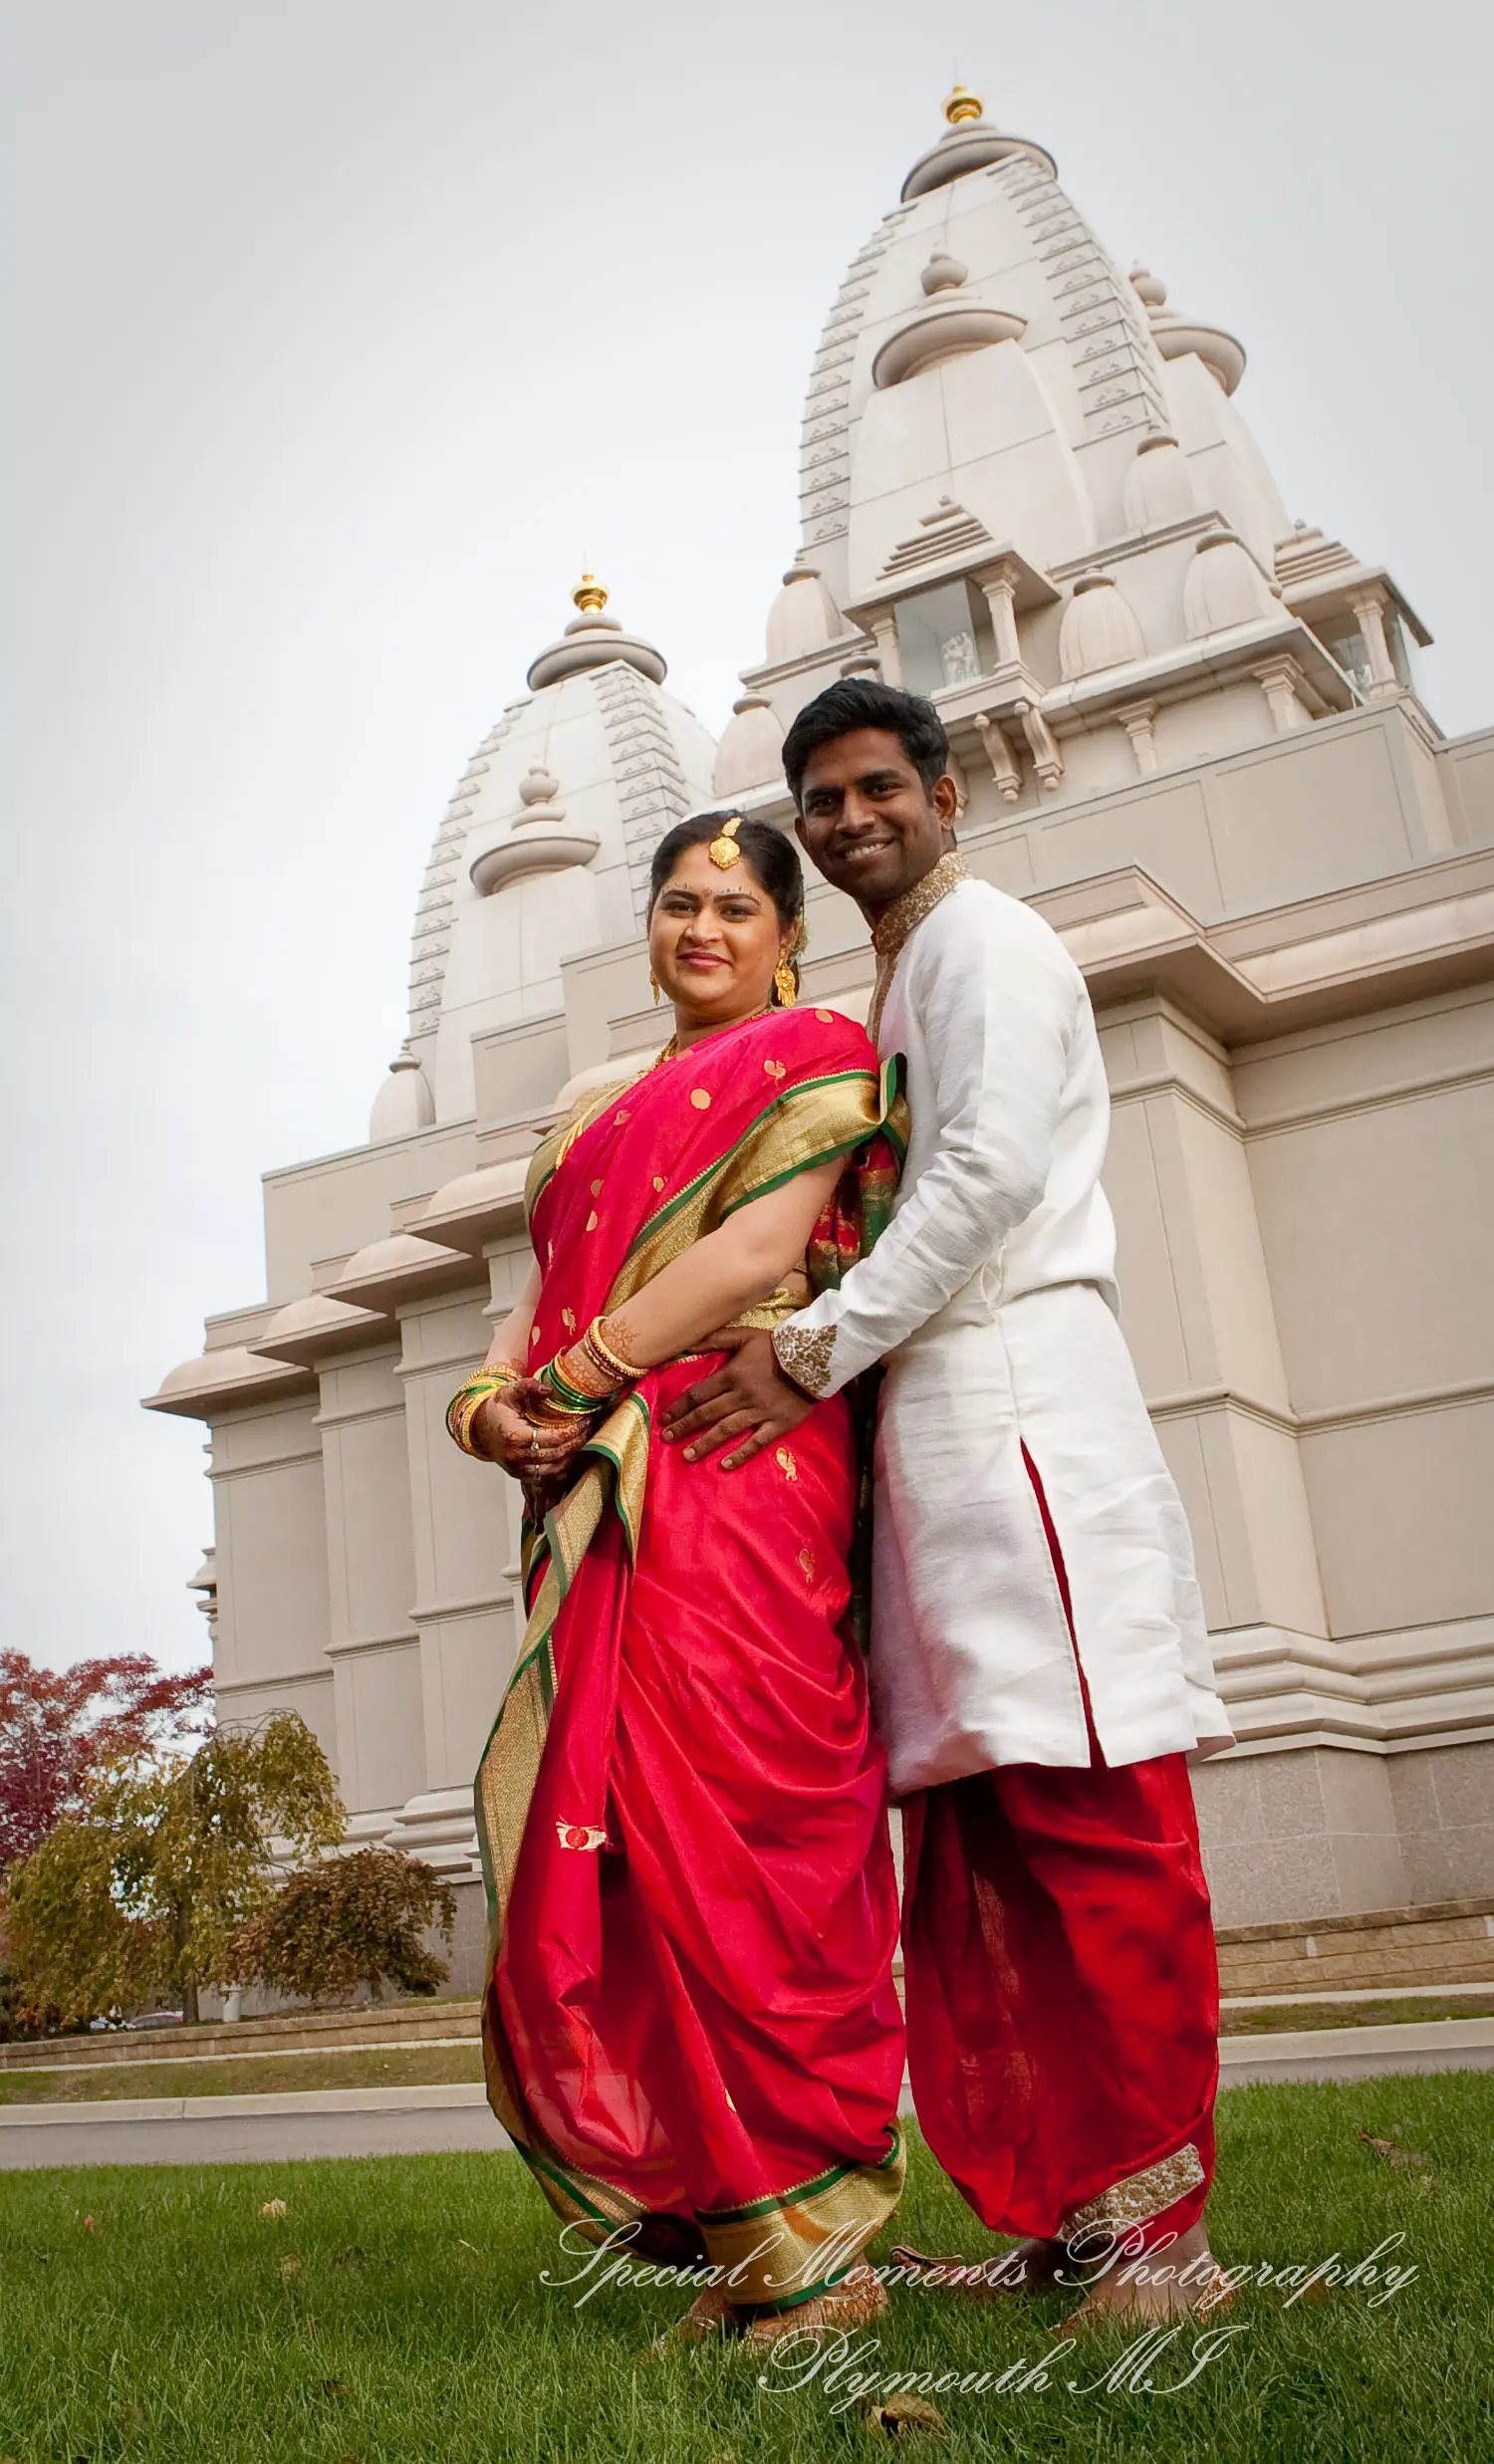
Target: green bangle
565	1398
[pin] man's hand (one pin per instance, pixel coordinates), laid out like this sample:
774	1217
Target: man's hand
749	1400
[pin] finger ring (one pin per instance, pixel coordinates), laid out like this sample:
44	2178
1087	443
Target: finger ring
534	1443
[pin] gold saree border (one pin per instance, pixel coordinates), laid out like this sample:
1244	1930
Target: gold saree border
808	1124
815	2233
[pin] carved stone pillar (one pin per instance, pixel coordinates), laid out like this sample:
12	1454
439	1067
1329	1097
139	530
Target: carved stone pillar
1369	612
1000	589
884	633
1279	679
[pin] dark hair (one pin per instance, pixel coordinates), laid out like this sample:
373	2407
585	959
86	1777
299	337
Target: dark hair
859	701
769	854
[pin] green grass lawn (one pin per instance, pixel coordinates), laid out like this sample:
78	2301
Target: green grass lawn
401	2065
395	2311
1268	2019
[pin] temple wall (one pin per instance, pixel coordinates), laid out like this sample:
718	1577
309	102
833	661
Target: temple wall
273	1621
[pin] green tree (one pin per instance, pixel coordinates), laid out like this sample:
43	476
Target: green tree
138	1896
355	1920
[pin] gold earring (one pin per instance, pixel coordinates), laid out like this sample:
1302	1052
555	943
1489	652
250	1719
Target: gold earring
653	980
784	984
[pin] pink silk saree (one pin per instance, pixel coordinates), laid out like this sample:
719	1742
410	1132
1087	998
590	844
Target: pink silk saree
690	2027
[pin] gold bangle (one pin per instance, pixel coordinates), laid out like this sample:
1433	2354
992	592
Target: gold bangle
575	1384
459	1422
602	1354
469	1398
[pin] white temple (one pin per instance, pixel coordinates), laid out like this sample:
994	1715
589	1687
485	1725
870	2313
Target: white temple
1189	731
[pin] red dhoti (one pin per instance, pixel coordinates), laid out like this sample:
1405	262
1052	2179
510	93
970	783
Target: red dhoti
1063	1994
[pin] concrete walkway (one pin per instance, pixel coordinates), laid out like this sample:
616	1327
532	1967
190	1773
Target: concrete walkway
392	2122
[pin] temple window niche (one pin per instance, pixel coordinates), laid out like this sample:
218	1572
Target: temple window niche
1370	664
945	637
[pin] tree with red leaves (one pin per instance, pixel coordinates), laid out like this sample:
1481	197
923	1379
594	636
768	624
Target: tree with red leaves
57	1725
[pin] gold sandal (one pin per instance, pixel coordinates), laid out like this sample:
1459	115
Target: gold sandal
711	2315
851	2304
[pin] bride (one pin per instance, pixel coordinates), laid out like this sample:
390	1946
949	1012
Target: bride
691	2028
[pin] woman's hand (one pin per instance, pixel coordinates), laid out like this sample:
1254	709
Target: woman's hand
531	1452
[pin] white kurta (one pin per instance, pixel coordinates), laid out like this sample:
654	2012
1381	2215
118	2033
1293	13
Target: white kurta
991	1296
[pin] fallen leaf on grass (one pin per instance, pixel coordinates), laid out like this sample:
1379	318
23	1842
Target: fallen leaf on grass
335	2387
90	2224
290	2266
273	2207
1392	2150
350	2257
900	2415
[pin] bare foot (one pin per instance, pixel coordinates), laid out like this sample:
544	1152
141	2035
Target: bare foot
1030	2266
1148	2292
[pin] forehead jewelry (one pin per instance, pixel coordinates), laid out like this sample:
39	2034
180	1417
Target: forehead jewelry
724	851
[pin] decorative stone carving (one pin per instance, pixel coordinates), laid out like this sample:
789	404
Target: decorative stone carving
1225	587
750	753
540	840
943	331
1047	760
1099	628
1176	336
1003	761
803	617
1158	486
943	273
403	1102
1139	718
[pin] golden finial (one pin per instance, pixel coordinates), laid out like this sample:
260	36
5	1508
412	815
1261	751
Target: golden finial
589	596
724	851
962	104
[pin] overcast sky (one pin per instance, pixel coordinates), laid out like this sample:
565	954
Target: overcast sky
338	334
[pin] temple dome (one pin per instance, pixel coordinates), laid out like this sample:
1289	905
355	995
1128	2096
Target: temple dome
984	378
970	143
544	849
593	639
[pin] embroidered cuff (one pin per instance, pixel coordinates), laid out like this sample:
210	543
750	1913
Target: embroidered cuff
1141	2196
803	1354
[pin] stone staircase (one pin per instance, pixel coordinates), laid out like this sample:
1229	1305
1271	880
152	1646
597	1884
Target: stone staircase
1397	1949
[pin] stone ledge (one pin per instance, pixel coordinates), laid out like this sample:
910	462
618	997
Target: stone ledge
283	2031
1436	1911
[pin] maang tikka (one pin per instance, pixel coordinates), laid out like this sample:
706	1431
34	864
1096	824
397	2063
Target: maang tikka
724	851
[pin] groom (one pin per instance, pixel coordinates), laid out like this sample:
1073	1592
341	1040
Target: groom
1040	1661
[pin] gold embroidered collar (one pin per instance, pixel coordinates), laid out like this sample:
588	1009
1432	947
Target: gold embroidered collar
897	922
